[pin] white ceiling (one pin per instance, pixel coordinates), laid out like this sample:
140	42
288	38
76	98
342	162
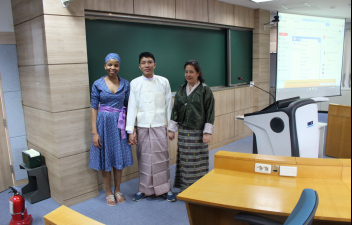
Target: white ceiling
325	8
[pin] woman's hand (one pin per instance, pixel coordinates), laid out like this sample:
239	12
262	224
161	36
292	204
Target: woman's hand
96	140
132	138
171	135
206	138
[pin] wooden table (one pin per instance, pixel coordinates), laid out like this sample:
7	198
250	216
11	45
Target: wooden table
233	187
66	216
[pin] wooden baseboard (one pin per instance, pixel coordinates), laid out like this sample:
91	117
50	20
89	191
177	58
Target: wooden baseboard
7	38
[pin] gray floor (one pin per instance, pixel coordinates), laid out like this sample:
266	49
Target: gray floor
150	211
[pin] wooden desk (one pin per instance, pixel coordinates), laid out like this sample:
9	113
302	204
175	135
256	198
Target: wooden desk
66	216
233	187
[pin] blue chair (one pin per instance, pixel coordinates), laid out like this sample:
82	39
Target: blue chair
303	214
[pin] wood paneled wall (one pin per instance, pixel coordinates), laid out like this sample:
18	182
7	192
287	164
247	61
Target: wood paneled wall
338	140
52	56
261	58
211	11
116	6
227	12
7	38
158	8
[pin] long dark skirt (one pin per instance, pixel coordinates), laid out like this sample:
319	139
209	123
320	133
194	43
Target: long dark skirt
192	158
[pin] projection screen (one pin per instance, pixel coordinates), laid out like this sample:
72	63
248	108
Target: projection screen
309	56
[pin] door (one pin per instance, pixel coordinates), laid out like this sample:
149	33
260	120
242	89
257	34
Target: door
6	178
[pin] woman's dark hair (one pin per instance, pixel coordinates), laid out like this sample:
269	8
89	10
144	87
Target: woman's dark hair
146	55
197	67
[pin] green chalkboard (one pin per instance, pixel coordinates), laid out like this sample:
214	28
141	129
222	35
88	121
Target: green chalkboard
241	55
172	46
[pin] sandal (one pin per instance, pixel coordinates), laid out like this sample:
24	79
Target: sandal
120	198
111	200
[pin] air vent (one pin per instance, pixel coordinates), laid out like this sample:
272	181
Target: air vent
296	6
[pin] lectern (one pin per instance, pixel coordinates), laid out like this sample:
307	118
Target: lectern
286	128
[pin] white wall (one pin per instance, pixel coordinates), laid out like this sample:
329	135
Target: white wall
344	99
12	91
6	21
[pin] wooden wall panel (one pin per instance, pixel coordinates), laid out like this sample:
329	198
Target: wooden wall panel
53	7
35	87
243	98
31	44
244	17
195	10
264	98
261	70
40	128
25	10
158	8
221	13
65	39
7	38
69	87
116	6
72	132
60	134
173	147
338	140
55	88
232	103
261	46
261	17
71	180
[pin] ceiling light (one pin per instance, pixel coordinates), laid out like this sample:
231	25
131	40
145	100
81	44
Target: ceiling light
259	1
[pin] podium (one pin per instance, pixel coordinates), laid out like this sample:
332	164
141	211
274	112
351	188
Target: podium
37	188
286	128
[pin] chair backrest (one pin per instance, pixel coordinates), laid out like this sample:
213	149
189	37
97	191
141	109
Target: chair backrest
305	210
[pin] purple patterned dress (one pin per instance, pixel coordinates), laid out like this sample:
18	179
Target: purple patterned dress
115	151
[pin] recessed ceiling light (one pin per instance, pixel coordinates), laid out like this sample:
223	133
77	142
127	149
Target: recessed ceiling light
284	7
259	1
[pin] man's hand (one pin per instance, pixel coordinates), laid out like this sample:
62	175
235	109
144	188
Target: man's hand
132	138
171	135
206	138
96	140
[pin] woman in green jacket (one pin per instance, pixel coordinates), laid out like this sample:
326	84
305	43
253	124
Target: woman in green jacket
193	115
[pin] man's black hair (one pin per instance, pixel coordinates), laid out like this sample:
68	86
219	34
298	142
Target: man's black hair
146	55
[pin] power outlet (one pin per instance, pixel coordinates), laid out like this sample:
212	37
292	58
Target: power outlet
262	168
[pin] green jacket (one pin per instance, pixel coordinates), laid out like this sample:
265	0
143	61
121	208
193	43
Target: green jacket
195	110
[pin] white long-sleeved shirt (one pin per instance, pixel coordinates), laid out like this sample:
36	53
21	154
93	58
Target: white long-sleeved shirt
150	103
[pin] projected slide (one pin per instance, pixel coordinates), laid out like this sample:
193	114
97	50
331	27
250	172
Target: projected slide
310	56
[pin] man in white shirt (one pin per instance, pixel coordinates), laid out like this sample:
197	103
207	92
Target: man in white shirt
149	107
